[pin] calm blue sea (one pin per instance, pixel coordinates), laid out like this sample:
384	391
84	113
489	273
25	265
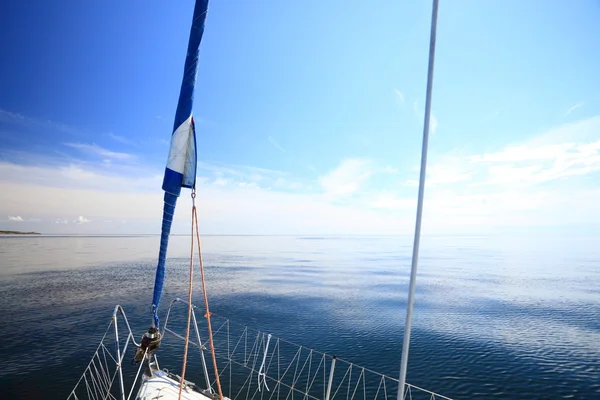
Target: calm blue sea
495	317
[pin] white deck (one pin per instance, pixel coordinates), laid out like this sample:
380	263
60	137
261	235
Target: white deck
161	386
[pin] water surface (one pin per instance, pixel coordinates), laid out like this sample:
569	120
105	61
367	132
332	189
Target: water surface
495	318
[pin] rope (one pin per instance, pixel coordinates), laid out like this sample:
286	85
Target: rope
190	289
207	315
262	374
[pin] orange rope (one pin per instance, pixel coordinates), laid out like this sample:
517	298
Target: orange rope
189	316
210	335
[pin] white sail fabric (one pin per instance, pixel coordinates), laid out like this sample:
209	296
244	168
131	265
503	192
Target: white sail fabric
182	155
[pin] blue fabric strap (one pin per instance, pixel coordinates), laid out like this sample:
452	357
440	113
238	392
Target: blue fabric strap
182	172
159	281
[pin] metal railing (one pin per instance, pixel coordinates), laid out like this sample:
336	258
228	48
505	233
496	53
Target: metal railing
257	365
103	378
252	365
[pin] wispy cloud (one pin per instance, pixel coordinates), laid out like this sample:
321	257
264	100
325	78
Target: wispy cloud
9	116
82	176
399	96
241	207
531	183
574	107
235	173
120	139
550	157
416	108
98	151
16	218
529	164
346	178
389	169
274	143
248	185
446	170
282	183
433	124
527	183
23	120
391	201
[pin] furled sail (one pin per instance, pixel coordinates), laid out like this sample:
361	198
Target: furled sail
181	163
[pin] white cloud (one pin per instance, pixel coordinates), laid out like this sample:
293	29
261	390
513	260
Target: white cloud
569	150
283	184
389	169
9	116
247	208
391	201
248	184
15	218
81	220
100	151
582	131
120	139
346	178
399	95
433	124
22	120
82	176
508	174
239	172
517	185
574	107
523	184
445	170
240	208
536	164
280	182
274	143
526	153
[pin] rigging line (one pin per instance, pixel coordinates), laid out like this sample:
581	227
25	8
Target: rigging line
210	333
262	374
190	289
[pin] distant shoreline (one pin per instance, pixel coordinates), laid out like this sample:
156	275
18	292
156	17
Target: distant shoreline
18	233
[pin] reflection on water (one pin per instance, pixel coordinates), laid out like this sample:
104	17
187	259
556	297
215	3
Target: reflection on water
494	318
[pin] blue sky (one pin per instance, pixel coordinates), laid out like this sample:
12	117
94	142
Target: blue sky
309	115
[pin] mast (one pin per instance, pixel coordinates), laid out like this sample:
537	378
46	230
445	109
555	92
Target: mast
181	164
417	238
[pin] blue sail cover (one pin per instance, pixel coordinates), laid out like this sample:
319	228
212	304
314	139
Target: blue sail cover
181	164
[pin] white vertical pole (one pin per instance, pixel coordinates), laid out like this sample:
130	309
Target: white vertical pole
119	359
415	254
330	383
